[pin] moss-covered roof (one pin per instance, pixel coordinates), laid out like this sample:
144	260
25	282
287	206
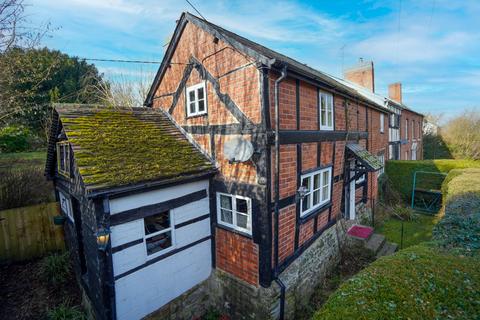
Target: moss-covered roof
115	147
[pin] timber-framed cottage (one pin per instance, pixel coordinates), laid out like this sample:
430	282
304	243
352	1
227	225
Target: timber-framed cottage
193	225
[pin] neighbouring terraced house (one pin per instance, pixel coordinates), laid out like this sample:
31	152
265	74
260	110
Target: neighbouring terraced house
226	189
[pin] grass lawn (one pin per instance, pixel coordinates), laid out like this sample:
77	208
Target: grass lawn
414	232
19	159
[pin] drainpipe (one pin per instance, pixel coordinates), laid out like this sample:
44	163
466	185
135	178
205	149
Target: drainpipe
277	187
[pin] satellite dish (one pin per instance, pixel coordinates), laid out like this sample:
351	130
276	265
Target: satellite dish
238	150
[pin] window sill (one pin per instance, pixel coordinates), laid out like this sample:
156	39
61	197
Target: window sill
197	115
315	212
239	232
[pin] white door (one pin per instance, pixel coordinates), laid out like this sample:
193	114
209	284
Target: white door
351	197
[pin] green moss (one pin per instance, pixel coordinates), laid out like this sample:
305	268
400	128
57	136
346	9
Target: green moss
421	282
400	173
114	147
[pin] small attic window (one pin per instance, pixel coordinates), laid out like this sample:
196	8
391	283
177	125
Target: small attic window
196	100
63	158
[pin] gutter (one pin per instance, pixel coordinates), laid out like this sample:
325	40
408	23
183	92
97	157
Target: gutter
277	188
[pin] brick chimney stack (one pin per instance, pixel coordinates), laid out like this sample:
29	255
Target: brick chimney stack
361	74
395	92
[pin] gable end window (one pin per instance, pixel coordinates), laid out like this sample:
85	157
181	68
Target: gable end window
325	110
235	212
196	100
318	185
63	158
159	233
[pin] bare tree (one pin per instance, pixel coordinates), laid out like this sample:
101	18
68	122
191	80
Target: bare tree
462	135
126	91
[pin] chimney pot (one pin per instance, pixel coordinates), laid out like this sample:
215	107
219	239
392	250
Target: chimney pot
395	91
362	74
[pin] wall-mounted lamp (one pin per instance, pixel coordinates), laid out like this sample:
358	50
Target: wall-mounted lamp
103	236
301	192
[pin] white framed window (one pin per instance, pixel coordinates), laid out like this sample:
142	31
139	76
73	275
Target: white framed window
63	158
318	190
406	128
326	116
235	212
413	129
196	100
382	123
66	205
381	158
159	233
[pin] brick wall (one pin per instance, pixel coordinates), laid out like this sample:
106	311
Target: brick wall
417	121
235	253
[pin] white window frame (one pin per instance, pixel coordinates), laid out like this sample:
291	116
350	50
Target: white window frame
234	225
311	190
195	89
329	110
406	129
381	158
63	146
151	235
382	123
413	130
66	206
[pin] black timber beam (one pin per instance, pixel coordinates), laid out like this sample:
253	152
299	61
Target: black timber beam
304	136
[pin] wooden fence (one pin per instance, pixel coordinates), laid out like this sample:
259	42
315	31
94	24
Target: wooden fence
29	232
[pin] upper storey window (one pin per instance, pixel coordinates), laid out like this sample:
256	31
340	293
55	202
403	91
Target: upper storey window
63	158
196	100
326	110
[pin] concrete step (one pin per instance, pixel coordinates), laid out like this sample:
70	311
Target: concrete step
375	243
387	249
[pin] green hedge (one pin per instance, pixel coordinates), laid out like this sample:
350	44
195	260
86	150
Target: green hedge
400	173
460	227
421	282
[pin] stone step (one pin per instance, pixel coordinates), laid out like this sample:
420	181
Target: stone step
360	232
375	243
387	249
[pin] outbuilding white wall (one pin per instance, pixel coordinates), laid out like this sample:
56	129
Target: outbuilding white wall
154	285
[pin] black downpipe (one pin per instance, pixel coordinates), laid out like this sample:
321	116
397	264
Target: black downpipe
277	187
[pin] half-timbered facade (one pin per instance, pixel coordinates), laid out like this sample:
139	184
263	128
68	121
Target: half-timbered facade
192	228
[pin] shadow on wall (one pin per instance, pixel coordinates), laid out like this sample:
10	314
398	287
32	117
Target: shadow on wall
434	147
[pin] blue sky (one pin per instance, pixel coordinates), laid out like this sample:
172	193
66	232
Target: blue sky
431	46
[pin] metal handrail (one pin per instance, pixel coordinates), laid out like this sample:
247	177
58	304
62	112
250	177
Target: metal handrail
402	220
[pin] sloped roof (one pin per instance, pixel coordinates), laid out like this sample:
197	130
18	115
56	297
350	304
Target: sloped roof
115	147
371	162
271	58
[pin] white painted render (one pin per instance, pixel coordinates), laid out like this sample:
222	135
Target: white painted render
151	287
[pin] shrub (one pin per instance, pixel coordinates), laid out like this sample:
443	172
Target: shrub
55	268
14	138
405	213
66	312
400	173
24	186
421	282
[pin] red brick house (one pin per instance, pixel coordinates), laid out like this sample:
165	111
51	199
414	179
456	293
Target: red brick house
307	150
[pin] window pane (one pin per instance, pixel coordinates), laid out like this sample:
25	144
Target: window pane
242	205
227	216
316	197
157	222
306	202
201	105
200	93
192	107
191	95
226	202
325	193
62	156
242	220
306	183
326	178
316	181
159	242
329	118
